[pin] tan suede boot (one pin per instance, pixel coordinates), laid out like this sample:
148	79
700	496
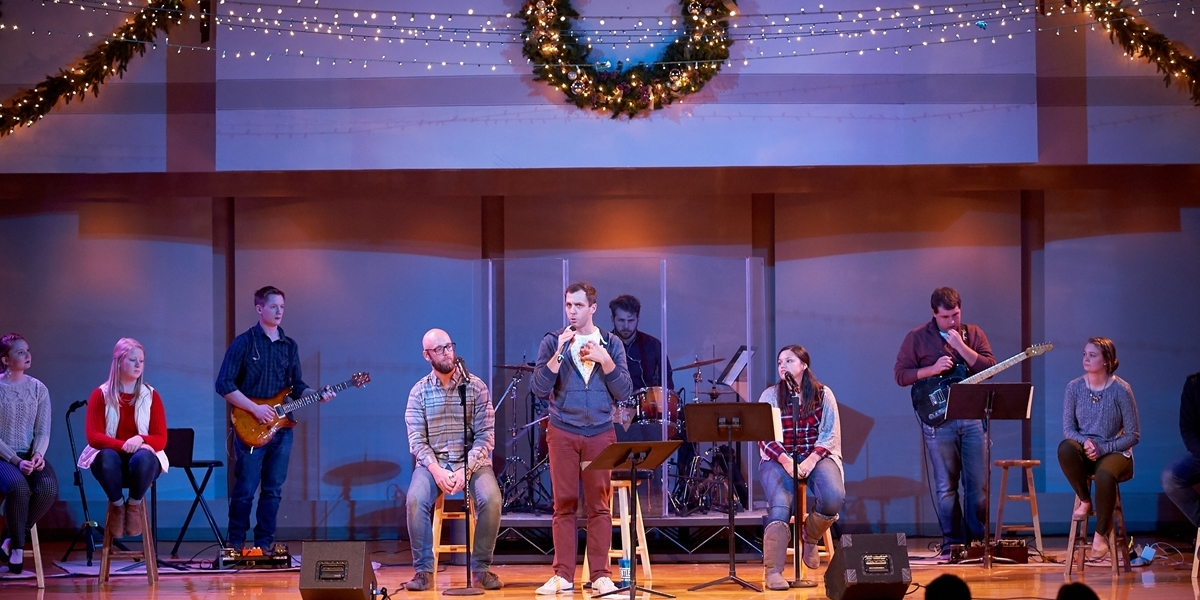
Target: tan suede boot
115	523
133	517
815	527
776	537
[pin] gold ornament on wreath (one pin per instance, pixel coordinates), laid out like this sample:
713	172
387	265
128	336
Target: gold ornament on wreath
688	62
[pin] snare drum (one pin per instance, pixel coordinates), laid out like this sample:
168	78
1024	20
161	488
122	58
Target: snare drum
650	405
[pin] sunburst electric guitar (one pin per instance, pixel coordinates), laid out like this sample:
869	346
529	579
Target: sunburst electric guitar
256	435
930	395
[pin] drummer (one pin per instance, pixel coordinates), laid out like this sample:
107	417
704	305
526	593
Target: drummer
643	351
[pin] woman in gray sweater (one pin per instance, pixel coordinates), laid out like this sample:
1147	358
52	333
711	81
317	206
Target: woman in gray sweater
1100	424
27	482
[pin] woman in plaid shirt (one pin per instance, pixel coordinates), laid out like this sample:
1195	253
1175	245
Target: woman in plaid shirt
816	437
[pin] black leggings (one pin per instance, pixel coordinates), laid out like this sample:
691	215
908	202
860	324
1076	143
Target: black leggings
1110	470
26	498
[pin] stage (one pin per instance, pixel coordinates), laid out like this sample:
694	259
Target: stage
1165	579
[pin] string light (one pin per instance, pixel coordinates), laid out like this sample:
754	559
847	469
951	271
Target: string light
1137	39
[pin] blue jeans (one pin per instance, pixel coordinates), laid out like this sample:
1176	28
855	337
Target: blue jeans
117	470
825	481
267	466
485	494
956	452
1177	481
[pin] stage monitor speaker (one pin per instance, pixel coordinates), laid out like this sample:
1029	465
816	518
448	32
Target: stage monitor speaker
869	567
336	571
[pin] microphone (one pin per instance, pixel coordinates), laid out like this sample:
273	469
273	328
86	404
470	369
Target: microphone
563	349
791	381
462	368
76	406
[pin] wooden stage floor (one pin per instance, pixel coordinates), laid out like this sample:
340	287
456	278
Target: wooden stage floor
1164	580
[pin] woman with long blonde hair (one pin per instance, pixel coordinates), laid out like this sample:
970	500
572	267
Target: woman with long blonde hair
127	435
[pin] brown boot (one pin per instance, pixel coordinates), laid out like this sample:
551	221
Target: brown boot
815	527
134	516
115	523
776	537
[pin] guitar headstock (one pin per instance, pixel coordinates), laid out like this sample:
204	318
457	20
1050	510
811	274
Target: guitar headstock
1038	349
360	379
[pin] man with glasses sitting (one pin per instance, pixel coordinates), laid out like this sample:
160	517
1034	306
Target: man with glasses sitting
435	438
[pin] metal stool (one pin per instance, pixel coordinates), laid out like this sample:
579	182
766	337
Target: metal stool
1031	498
146	555
441	514
1078	543
620	518
824	549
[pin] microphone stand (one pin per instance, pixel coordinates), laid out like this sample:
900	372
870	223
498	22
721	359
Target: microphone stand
468	589
90	529
797	538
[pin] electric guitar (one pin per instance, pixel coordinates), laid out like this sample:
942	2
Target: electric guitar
256	435
930	395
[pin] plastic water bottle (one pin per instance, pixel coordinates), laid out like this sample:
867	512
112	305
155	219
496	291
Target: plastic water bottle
623	565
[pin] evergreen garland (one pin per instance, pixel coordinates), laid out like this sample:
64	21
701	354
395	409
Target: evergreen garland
688	62
1137	38
110	56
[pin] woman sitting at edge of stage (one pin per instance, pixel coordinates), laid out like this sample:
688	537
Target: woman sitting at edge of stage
27	483
819	444
1100	427
126	434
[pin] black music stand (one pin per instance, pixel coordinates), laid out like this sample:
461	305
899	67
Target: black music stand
989	401
729	422
631	456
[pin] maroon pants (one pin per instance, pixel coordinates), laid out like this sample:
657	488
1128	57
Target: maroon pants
567	450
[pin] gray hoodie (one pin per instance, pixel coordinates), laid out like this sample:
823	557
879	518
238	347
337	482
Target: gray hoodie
578	406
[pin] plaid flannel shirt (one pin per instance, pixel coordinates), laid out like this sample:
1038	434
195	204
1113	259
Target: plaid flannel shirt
435	423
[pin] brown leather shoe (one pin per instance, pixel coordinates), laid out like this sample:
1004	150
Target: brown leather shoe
133	517
421	581
115	523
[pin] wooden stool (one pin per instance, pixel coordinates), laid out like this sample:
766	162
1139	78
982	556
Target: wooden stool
37	554
1196	556
147	554
620	518
441	514
825	548
1078	542
37	557
1031	498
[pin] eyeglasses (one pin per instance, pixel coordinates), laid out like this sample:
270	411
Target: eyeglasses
441	350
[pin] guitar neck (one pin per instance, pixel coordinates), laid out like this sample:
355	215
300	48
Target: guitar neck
996	368
288	407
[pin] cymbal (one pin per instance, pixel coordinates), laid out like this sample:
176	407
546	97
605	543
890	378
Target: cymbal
525	367
715	392
699	363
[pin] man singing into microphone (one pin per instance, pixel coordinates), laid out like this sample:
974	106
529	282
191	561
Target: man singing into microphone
581	372
955	447
435	438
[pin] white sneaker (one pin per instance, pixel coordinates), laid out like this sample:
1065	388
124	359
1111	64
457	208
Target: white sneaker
603	586
557	585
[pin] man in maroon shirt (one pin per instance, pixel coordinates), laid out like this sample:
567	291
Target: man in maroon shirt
955	448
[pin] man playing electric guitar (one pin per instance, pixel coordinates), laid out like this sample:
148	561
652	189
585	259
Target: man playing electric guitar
954	447
261	363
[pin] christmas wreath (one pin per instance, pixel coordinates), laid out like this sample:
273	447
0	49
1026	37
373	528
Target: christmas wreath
687	63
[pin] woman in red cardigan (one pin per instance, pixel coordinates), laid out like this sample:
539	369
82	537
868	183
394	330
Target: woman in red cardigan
126	434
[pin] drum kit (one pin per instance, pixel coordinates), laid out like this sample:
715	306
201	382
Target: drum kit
700	478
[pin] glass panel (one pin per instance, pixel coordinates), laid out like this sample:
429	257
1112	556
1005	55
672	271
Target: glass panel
650	414
527	303
716	316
